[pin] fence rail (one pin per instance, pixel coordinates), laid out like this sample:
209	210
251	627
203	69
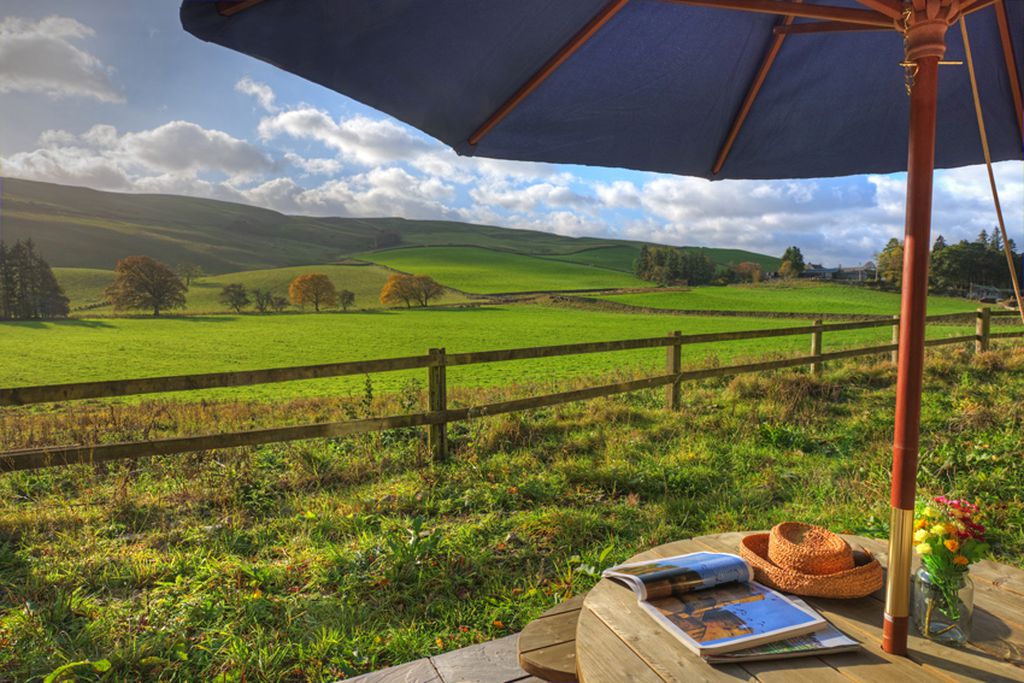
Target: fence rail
437	361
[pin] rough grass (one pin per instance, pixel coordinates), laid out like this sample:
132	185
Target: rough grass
486	271
788	297
321	559
99	349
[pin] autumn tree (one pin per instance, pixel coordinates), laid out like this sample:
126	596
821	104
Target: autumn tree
143	282
397	290
346	299
235	296
787	271
748	271
189	272
890	262
313	288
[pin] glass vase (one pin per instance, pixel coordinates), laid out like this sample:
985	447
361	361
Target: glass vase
942	609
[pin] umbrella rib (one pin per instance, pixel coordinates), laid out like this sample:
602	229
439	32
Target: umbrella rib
748	101
889	8
797	9
559	58
824	27
1011	62
228	8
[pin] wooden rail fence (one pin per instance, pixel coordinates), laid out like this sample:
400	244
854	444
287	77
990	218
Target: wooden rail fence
438	414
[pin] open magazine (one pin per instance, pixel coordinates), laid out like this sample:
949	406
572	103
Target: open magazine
710	602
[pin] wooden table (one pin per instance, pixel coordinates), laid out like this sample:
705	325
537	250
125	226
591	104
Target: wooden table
617	642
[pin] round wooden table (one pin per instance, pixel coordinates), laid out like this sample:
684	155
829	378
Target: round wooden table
616	641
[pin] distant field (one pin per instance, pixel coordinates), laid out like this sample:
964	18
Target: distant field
485	271
53	352
85	286
798	297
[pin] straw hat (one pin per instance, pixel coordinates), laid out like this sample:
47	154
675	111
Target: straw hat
808	560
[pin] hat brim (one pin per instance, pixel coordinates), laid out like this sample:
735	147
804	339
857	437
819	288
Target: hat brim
863	579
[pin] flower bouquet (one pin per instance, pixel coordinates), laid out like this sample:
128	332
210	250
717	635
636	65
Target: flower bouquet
948	537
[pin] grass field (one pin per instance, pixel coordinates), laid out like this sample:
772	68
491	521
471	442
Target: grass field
84	286
317	560
485	271
52	352
789	297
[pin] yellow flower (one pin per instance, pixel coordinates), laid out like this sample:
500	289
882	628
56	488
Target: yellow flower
961	560
920	524
923	549
930	512
952	545
939	530
921	535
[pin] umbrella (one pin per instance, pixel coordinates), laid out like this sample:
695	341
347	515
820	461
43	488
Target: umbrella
709	88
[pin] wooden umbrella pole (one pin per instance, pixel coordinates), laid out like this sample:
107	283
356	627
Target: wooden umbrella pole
925	47
988	165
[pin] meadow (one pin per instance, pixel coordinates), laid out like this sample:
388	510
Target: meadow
486	271
108	348
316	560
792	297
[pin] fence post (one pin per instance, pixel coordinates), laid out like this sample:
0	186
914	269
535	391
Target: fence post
981	330
673	364
894	355
816	348
437	399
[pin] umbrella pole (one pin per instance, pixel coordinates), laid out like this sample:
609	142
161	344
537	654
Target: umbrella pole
925	47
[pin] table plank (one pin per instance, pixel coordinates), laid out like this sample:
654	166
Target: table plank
602	657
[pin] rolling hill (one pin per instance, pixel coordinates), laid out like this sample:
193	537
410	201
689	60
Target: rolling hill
75	227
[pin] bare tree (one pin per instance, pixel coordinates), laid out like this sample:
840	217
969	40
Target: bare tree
235	296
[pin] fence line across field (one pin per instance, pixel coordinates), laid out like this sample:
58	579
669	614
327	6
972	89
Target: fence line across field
439	415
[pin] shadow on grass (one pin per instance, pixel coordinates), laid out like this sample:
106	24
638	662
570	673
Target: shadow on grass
51	324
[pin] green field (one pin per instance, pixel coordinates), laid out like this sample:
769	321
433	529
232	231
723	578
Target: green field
52	352
788	297
84	286
485	271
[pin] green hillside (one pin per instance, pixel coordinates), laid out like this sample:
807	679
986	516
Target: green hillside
485	271
84	286
75	227
788	297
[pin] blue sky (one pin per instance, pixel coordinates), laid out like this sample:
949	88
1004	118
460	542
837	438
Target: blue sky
116	96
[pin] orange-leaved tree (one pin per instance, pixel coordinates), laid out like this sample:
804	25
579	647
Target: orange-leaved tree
143	282
312	288
409	290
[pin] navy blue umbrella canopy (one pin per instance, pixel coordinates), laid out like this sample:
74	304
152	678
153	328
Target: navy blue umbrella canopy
656	88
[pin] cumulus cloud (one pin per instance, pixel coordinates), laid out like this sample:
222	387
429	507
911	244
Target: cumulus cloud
38	56
261	91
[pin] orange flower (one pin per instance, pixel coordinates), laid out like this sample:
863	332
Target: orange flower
952	545
920	524
961	560
951	529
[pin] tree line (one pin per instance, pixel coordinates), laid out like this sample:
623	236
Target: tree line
671	265
955	267
28	288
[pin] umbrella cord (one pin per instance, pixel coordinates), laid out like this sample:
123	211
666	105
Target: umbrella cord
988	165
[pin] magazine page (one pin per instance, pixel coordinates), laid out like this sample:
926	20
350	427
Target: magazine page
828	640
680	574
732	617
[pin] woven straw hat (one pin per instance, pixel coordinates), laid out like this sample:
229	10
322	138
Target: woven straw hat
808	560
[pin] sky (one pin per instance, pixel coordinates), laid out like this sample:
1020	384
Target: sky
116	96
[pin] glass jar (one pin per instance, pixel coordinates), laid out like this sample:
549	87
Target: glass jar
942	610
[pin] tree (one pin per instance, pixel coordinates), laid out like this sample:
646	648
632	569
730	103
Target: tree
425	289
748	271
939	245
346	299
143	282
890	262
263	299
28	287
796	258
642	264
278	303
312	288
787	271
399	289
189	272
235	296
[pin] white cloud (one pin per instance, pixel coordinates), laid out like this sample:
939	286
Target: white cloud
261	91
38	56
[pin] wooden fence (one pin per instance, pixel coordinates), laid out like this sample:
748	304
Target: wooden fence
436	361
